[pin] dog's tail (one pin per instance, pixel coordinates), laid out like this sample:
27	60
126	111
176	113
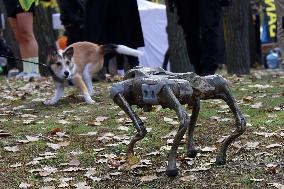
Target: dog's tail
121	49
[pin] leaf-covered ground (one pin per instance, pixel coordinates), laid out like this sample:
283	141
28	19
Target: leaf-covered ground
74	145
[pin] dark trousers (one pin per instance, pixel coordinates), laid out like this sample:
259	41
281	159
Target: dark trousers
123	61
200	21
74	34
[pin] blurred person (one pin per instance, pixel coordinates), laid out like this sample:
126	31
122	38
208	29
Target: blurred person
72	15
117	22
21	22
201	21
280	24
8	65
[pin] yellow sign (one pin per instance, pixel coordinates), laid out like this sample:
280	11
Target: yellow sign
272	18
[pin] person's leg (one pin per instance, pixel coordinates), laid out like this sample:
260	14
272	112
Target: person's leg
130	63
112	66
27	42
280	19
210	17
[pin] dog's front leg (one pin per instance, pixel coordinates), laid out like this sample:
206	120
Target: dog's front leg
59	92
81	84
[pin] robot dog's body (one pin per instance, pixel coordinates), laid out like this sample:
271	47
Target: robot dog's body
146	87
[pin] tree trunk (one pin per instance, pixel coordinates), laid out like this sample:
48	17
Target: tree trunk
179	60
237	37
44	33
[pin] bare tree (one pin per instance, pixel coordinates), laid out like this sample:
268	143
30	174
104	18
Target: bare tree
179	60
44	33
236	19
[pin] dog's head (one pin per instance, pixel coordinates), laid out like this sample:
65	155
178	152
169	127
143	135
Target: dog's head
61	63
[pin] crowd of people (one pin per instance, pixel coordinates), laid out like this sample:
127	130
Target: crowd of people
107	21
118	22
97	21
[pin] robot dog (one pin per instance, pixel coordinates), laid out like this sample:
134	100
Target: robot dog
146	87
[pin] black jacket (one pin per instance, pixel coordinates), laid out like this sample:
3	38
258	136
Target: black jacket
72	12
113	21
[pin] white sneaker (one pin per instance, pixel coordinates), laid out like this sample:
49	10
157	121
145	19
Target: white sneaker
13	73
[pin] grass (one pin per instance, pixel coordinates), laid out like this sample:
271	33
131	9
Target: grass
21	99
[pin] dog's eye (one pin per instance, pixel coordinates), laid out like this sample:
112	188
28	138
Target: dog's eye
67	62
58	63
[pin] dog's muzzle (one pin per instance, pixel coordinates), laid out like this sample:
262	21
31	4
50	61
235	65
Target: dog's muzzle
66	74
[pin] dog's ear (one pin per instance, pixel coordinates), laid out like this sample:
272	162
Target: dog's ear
69	53
52	54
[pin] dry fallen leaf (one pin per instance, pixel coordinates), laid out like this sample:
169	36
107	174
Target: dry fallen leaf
257	105
95	179
82	185
28	121
101	118
248	99
53	146
188	178
274	146
155	153
64	122
32	138
89	134
265	134
251	145
123	128
4	134
72	169
148	178
25	185
64	182
272	168
198	169
54	131
16	165
222	139
277	185
90	172
47	187
12	149
115	174
74	162
47	171
257	180
208	149
106	137
112	163
58	145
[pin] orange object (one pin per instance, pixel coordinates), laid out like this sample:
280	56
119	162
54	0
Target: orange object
62	42
54	131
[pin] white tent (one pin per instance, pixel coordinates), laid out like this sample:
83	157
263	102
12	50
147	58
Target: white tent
154	21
